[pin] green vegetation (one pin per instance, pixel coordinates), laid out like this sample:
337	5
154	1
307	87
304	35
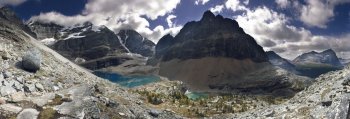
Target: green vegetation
48	113
56	101
203	107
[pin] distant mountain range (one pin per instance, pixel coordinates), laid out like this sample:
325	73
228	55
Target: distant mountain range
311	64
98	46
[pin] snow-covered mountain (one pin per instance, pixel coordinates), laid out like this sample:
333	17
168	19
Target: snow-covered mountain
88	42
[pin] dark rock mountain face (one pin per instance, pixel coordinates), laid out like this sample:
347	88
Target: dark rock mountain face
277	60
212	36
136	43
88	43
215	53
326	57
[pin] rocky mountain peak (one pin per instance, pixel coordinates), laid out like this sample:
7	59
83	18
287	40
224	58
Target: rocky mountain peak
163	43
326	57
330	51
208	16
212	36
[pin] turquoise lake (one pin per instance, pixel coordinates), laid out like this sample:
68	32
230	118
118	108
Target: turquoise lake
128	81
197	95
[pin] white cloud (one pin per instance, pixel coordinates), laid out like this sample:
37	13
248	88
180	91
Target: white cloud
120	14
283	3
272	30
217	9
234	5
169	20
201	2
11	2
317	13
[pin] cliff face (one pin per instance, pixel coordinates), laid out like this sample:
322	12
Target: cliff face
89	43
136	43
45	30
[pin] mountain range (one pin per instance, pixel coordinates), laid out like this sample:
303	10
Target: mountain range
213	54
97	46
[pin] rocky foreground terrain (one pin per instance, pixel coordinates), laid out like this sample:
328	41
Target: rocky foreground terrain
47	85
327	98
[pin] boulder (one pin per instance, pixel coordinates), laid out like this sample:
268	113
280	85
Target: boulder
28	114
7	74
10	108
7	90
154	113
32	60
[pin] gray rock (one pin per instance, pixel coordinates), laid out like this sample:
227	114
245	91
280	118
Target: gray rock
10	108
19	79
28	114
6	90
7	74
29	88
1	76
18	86
32	60
154	113
39	86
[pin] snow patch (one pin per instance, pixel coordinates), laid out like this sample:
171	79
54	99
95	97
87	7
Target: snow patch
74	36
48	41
121	42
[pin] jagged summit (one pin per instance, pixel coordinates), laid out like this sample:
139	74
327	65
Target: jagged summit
213	36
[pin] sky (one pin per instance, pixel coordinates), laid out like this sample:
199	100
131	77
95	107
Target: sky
288	27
